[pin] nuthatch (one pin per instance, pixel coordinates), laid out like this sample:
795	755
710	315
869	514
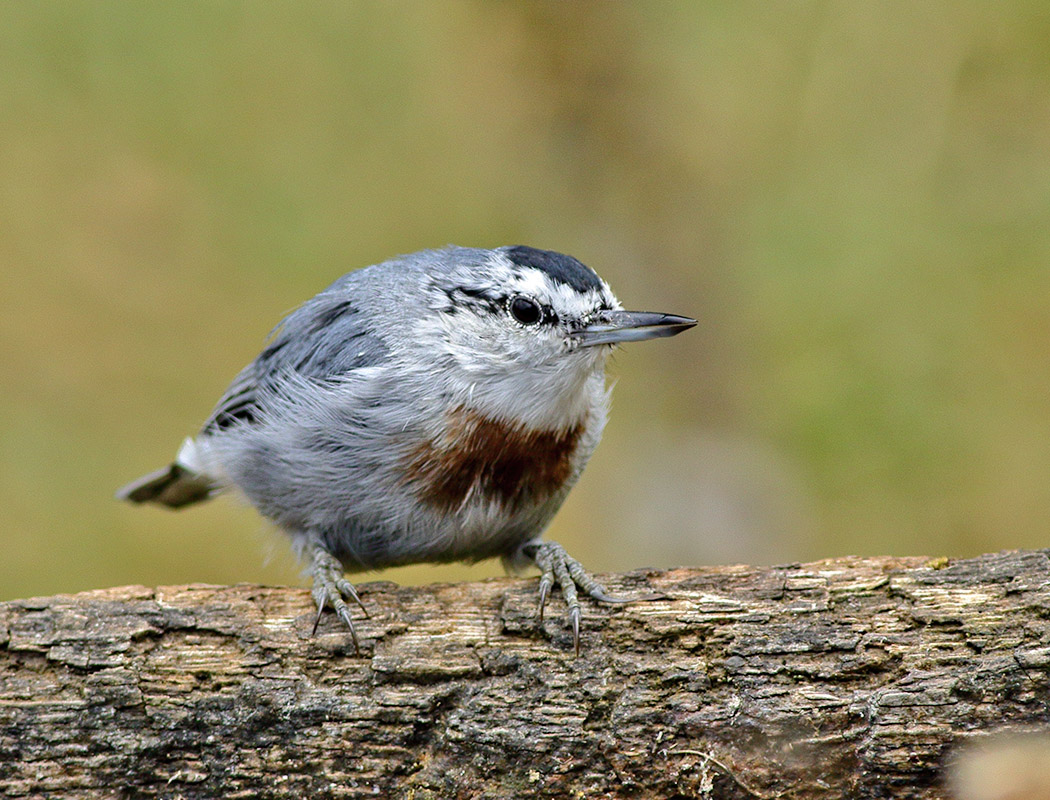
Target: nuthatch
436	407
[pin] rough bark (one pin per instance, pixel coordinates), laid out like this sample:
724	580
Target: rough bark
843	678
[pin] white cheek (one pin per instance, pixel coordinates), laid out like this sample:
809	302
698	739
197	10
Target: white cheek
511	372
481	349
471	345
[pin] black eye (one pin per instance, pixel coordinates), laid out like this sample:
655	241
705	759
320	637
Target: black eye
525	311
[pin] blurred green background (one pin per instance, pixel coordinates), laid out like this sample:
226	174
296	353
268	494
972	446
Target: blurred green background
853	198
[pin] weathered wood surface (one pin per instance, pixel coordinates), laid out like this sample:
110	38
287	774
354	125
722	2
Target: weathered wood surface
844	678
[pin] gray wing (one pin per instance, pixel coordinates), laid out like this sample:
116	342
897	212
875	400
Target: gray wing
325	338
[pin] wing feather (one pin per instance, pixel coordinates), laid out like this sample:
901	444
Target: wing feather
325	338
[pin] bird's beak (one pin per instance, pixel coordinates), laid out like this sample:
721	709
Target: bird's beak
612	327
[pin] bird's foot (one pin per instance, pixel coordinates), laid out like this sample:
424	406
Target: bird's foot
557	566
331	588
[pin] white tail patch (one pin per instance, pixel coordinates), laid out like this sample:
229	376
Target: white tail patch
189	457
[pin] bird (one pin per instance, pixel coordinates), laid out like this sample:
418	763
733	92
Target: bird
435	407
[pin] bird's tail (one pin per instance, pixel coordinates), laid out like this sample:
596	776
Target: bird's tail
179	484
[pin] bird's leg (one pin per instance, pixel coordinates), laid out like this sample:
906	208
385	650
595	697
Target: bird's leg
557	566
330	589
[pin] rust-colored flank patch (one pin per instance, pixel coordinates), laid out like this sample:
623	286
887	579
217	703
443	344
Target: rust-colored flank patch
494	459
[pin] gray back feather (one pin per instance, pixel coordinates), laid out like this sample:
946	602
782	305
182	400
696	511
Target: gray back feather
326	338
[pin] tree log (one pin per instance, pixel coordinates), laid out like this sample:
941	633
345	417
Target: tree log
843	678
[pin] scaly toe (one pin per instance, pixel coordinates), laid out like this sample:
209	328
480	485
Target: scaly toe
346	589
557	566
330	589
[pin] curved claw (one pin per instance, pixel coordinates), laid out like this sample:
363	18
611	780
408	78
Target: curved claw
574	617
557	566
545	590
317	620
346	589
330	589
344	615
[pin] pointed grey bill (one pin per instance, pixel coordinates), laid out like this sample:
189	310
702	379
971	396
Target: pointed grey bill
613	327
